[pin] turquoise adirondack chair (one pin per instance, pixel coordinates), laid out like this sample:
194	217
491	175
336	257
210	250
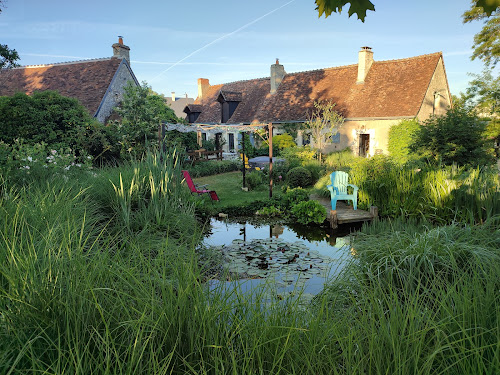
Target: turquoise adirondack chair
338	189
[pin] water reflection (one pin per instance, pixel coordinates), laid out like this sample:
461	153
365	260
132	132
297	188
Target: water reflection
329	243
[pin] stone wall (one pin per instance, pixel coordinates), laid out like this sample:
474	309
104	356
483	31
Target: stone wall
114	94
437	99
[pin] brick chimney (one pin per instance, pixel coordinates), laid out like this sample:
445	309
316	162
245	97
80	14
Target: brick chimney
203	86
365	61
277	75
120	50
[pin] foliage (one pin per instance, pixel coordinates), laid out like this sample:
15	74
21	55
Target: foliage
309	212
483	93
291	128
141	113
358	7
269	211
298	177
209	168
250	150
456	137
323	122
315	168
297	156
486	42
282	141
401	136
45	116
294	196
340	160
254	179
438	193
181	141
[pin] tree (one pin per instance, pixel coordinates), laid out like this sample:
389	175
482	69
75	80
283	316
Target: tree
8	57
483	93
457	137
323	123
142	110
359	7
487	41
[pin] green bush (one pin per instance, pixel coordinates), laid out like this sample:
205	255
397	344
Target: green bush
282	141
315	168
55	120
210	168
457	137
401	136
254	179
269	211
298	177
309	212
292	197
296	156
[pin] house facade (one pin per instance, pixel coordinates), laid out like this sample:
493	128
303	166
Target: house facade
98	84
371	95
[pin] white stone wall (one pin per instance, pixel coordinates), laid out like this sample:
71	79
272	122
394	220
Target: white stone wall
114	95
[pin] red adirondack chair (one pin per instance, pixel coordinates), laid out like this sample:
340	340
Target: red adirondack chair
198	189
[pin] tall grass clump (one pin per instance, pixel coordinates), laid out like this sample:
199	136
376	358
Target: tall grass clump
423	301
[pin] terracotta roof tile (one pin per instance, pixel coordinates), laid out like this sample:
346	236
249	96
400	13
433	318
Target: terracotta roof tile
391	89
86	81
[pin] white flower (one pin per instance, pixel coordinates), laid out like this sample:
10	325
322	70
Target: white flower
89	157
26	167
53	152
67	168
30	158
45	166
78	165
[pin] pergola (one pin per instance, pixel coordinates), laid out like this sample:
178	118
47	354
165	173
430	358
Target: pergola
215	128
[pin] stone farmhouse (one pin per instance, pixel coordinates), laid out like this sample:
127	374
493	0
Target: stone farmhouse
371	95
98	84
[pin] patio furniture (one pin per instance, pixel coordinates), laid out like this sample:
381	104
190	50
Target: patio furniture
338	189
199	189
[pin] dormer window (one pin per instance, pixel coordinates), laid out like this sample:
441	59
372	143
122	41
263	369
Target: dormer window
193	111
229	100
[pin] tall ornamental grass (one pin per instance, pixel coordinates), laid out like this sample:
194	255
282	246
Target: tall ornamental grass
443	194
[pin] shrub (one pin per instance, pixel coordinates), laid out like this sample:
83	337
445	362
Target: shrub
209	168
309	212
254	179
293	197
315	168
269	211
295	156
401	136
282	141
298	177
45	116
456	137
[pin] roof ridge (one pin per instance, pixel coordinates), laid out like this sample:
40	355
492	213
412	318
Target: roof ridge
242	80
317	70
440	53
64	63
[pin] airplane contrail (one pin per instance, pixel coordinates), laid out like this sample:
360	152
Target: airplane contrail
221	38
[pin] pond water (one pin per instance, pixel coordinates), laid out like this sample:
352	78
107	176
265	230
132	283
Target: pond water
284	257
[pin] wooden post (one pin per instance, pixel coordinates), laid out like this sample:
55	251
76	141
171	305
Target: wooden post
198	139
333	219
374	212
270	128
244	164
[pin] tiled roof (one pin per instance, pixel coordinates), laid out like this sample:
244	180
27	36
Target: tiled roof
231	96
86	80
391	89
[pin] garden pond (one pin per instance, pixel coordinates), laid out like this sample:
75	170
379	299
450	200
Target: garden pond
283	259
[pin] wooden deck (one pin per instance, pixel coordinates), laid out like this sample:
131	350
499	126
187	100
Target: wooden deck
344	213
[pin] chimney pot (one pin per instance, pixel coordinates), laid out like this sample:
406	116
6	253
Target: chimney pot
120	39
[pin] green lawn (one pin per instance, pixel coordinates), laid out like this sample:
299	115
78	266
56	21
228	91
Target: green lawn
228	188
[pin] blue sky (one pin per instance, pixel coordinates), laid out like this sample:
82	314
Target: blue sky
173	43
